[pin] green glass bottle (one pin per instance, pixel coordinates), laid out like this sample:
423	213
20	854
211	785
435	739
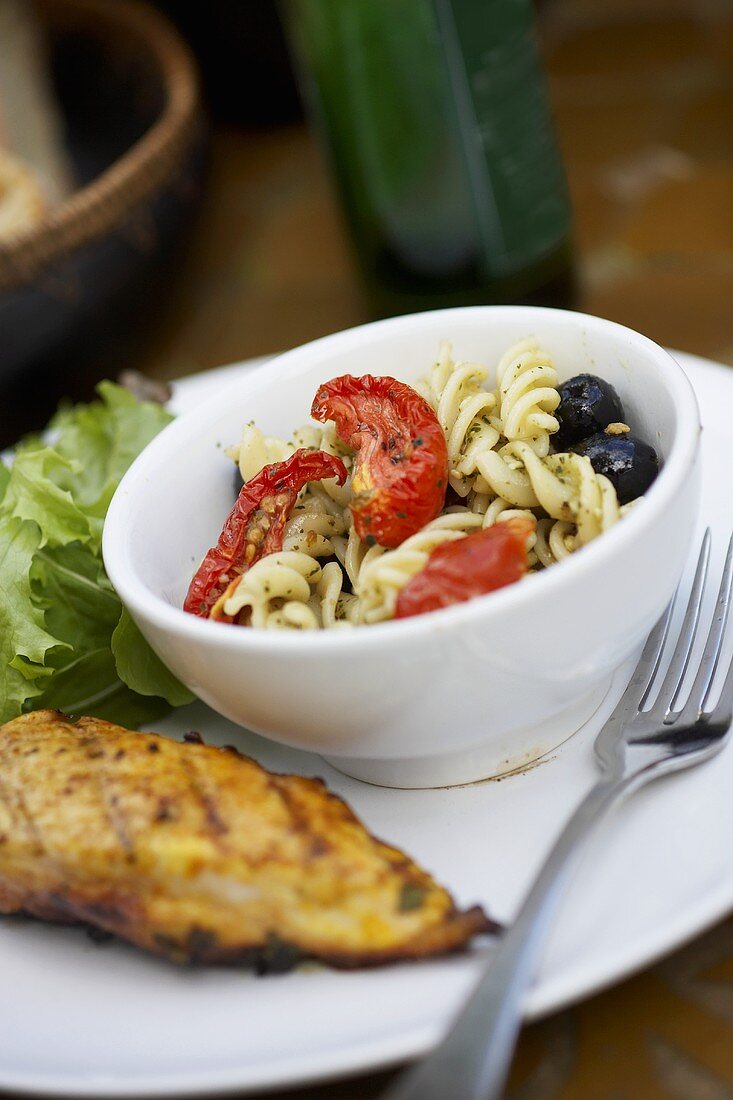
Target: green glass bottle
435	118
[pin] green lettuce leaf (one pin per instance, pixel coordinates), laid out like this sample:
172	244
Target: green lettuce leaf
101	440
91	685
4	479
35	491
65	639
69	583
25	642
138	666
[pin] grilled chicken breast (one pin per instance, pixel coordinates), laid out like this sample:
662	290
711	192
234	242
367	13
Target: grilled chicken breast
200	854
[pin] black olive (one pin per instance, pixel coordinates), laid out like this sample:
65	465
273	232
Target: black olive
629	463
587	405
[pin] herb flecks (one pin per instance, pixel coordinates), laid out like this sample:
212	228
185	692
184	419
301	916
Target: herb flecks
412	896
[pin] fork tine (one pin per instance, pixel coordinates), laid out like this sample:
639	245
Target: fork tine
670	687
651	657
714	645
637	689
724	707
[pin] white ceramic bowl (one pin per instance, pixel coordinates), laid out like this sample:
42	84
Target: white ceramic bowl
457	695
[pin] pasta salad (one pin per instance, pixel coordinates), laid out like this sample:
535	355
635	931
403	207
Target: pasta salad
399	500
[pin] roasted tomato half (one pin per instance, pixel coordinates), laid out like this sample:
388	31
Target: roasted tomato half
255	525
457	571
401	467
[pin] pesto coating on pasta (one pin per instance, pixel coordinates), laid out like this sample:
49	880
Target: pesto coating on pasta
499	421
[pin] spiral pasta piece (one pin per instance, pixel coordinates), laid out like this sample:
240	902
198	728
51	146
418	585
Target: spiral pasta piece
337	608
270	587
256	450
465	411
322	437
290	591
496	509
292	616
353	553
315	525
568	488
554	540
528	396
565	485
382	579
503	474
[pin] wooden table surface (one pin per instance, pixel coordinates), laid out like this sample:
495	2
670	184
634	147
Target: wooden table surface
643	94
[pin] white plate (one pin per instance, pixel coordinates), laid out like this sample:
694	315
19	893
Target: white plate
83	1020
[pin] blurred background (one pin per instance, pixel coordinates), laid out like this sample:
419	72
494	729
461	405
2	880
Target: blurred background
164	205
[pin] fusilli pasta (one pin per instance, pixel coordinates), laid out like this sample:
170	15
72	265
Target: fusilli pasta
322	437
256	450
527	391
381	579
499	510
315	524
501	468
554	540
290	590
568	488
465	411
275	592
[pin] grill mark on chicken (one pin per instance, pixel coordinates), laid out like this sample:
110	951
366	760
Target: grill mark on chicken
19	815
291	805
110	801
233	865
318	845
199	786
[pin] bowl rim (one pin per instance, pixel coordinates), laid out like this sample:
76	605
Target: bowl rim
152	607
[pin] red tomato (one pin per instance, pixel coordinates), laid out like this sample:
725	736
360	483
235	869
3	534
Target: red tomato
456	571
401	469
255	525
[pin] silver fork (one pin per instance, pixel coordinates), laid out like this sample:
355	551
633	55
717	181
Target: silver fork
635	746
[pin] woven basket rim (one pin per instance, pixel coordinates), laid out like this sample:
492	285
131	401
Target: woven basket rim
92	210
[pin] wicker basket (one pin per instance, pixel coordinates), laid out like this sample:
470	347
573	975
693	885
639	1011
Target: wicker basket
95	257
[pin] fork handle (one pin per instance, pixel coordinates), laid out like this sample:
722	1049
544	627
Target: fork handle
473	1061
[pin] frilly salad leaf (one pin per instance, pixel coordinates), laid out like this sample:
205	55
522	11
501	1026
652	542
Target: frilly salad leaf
35	492
4	479
24	640
65	639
